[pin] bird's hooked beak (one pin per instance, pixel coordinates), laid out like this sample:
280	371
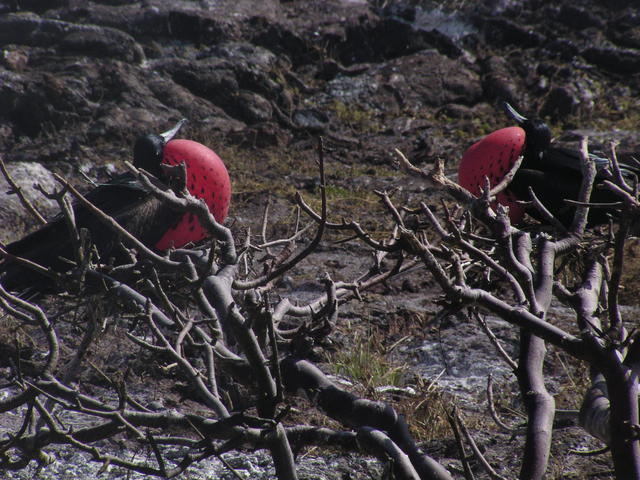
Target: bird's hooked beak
169	134
513	113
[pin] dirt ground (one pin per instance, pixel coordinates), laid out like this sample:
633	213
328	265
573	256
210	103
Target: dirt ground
259	81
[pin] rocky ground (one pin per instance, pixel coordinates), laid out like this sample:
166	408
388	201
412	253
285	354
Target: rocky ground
259	81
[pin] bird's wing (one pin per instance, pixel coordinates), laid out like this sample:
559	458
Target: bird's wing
566	158
124	199
554	187
561	157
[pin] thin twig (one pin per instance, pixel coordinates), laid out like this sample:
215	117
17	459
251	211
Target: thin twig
492	409
478	454
546	215
115	226
506	180
495	342
15	188
468	473
306	251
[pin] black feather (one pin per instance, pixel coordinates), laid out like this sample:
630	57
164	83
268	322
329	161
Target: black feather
124	198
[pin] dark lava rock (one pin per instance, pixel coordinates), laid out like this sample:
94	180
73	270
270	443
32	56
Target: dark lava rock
383	38
14	59
198	27
453	110
281	40
433	78
253	108
578	17
559	103
562	48
614	59
92	40
625	31
213	81
499	82
501	31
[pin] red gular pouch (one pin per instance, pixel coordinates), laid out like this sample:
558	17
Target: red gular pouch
206	178
494	157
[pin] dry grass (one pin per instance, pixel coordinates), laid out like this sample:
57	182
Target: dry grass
426	413
367	363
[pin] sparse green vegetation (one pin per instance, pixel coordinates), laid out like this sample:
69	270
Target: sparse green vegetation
272	173
357	118
623	115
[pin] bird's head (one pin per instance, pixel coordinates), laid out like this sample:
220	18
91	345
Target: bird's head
537	133
148	151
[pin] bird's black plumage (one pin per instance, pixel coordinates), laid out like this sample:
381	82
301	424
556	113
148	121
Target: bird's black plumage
555	173
123	198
